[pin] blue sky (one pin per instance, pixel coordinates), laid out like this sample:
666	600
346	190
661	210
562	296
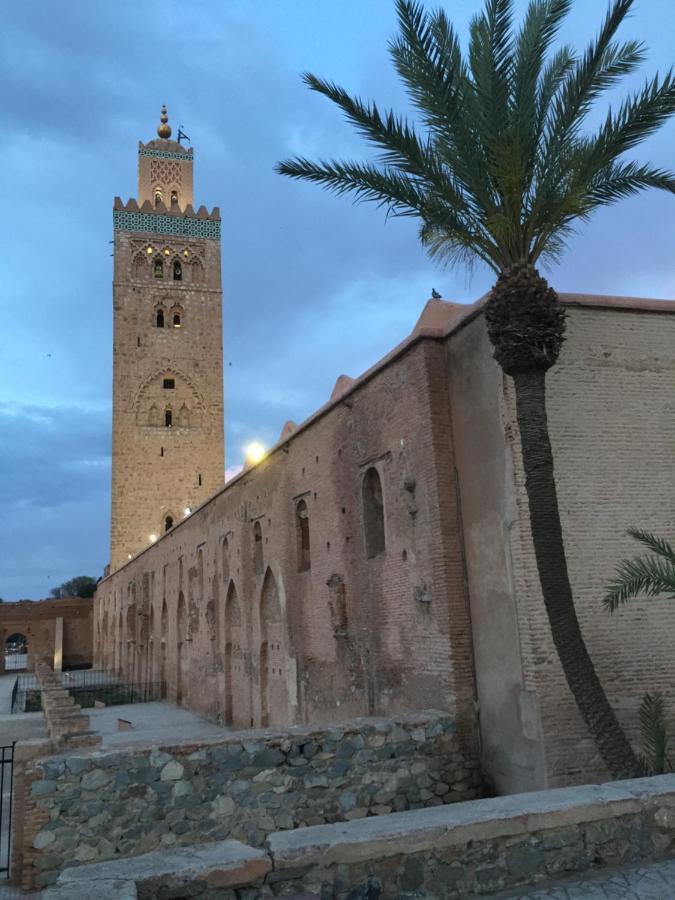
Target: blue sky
312	286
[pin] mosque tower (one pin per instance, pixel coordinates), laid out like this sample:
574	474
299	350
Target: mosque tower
168	445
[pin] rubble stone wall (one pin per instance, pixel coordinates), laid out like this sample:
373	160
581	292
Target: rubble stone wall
105	805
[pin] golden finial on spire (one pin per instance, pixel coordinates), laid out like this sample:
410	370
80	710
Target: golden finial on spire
164	129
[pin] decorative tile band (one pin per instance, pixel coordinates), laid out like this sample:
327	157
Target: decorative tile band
157	224
165	154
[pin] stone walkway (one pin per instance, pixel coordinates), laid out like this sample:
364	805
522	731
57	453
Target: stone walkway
652	881
6	687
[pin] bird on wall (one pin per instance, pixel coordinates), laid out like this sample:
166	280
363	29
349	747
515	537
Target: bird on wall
435	294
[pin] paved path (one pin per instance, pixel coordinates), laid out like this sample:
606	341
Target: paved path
651	881
156	723
6	686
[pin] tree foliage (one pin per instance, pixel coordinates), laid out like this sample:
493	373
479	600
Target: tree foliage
654	737
502	166
80	586
651	576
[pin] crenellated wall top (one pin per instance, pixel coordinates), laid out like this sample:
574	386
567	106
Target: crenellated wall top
160	219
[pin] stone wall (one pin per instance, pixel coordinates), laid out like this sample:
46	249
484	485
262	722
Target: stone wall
98	805
450	852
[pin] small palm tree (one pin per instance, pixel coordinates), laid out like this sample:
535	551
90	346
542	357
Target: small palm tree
501	174
650	576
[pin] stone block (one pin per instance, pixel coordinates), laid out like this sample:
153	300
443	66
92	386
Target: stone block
108	889
221	864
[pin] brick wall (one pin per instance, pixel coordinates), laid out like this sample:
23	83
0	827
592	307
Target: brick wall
456	588
36	619
351	635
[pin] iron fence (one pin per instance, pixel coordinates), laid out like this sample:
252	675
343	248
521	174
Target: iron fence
116	694
86	687
6	784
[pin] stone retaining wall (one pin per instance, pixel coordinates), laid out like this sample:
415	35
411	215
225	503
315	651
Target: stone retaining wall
100	805
468	849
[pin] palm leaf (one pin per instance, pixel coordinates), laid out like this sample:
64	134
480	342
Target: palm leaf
653	733
650	576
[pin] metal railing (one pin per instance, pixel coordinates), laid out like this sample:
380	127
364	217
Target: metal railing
117	694
86	687
6	784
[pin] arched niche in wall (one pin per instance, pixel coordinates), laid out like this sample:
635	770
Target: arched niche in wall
236	710
168	389
277	669
373	512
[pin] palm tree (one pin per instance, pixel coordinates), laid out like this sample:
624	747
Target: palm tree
501	174
651	576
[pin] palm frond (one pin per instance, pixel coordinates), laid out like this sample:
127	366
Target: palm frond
655	543
397	192
542	22
653	734
601	66
637	118
650	576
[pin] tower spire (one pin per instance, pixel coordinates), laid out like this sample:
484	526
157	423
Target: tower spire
164	129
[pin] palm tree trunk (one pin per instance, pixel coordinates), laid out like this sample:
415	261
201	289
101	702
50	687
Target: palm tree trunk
590	697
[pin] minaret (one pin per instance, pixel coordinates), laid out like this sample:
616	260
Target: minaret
168	445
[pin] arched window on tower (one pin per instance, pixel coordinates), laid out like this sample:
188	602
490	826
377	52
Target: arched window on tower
168	417
373	513
302	535
168	523
176	320
159	319
174	199
158	197
177	271
158	268
257	548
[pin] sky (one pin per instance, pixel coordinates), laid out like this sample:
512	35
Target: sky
313	286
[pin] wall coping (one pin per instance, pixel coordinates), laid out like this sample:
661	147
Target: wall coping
416	831
228	864
253	736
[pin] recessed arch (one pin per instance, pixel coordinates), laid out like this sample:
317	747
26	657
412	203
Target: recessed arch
181	646
257	548
186	403
197	270
373	512
139	268
277	668
302	535
16	651
236	710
